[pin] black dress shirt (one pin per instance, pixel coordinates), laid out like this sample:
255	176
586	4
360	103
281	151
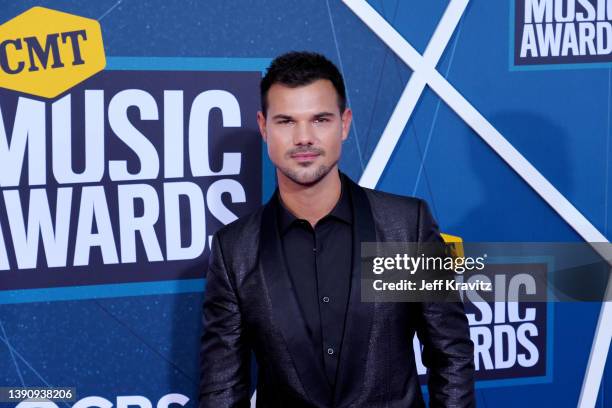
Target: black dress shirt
319	261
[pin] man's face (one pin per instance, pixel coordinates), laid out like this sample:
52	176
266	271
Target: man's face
304	130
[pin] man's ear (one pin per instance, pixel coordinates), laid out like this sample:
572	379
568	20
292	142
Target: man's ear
347	117
261	122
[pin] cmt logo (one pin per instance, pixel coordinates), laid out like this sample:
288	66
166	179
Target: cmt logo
36	51
45	52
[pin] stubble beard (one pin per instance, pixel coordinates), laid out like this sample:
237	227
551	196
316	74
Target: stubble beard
306	176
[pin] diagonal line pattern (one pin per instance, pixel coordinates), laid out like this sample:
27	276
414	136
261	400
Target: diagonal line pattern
8	344
435	117
416	84
27	364
432	201
427	73
348	98
143	341
107	12
366	143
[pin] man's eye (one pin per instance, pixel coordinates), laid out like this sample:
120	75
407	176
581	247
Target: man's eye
321	120
285	122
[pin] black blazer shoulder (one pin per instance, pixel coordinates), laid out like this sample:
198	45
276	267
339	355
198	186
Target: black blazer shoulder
403	218
390	211
239	242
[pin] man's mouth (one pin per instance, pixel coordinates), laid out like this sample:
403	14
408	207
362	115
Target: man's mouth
302	157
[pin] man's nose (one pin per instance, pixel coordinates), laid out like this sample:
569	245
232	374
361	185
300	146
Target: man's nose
302	135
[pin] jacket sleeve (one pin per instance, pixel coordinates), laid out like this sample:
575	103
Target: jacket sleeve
448	351
224	351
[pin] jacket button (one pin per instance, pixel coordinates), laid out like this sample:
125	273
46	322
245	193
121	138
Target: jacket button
330	351
325	299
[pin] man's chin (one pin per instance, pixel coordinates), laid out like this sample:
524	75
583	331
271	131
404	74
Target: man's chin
306	178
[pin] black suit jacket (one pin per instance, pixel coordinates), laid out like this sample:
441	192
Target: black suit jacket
250	306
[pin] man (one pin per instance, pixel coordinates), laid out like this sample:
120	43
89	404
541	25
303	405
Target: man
284	282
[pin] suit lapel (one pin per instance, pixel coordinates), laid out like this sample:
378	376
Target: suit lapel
356	337
286	312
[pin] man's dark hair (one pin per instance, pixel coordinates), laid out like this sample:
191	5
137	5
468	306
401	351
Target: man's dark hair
295	69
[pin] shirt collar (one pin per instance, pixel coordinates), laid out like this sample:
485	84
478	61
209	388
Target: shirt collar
341	211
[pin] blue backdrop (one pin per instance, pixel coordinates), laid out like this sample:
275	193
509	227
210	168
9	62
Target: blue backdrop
142	339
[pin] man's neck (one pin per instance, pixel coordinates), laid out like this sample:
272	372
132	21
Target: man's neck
311	202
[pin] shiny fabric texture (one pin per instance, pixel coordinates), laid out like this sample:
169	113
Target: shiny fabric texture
250	306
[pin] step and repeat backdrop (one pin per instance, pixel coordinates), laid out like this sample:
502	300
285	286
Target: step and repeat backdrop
128	136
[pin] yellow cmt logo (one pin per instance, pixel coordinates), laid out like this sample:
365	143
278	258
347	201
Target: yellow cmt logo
45	52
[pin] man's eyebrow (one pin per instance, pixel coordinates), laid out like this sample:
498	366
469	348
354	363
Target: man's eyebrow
323	114
281	116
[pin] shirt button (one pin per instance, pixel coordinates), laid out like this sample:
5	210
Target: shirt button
325	299
330	351
314	249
